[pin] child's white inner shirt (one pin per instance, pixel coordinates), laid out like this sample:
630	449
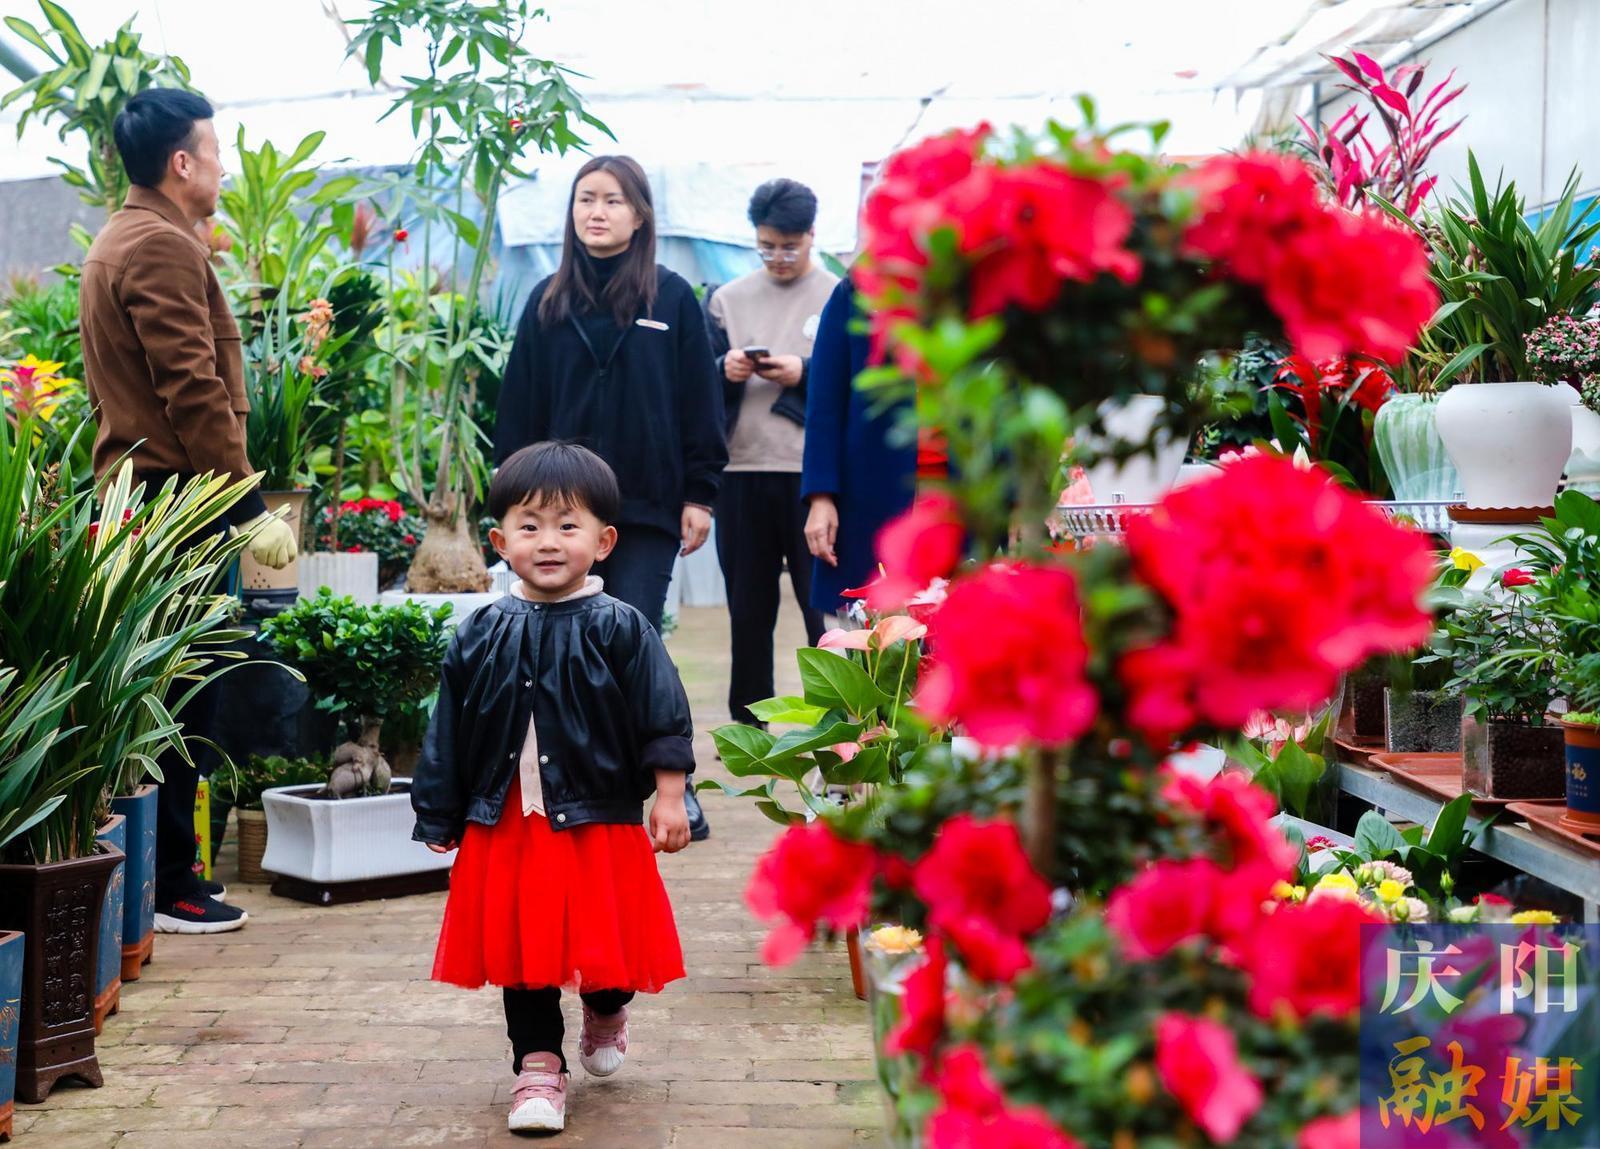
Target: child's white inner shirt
528	765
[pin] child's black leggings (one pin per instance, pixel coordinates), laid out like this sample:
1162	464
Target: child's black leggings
534	1024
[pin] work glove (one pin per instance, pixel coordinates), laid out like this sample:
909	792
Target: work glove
271	541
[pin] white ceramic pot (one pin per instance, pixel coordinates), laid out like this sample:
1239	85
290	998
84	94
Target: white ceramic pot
1583	465
1508	441
355	575
1143	478
344	840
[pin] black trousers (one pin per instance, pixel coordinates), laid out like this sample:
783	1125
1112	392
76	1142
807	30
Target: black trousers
760	529
534	1023
175	838
639	569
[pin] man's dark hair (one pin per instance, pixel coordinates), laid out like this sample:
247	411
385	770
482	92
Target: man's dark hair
153	125
787	206
554	473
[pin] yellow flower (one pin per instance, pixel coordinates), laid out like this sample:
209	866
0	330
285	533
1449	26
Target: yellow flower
1337	880
1390	890
1464	560
1284	892
896	939
1534	918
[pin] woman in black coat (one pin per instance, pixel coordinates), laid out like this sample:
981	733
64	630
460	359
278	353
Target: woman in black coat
612	353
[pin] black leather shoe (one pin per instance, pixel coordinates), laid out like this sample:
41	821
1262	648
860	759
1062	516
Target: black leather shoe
699	828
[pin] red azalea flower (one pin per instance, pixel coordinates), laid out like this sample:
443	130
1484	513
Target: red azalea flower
810	875
1516	576
1342	1132
1306	958
973	1113
1035	227
1278	581
401	235
410	540
1164	906
1248	206
1199	1064
1243	812
921	545
1352	283
922	1005
983	894
1009	657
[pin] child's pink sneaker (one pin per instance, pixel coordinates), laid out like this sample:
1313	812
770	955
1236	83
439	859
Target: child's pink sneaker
604	1044
539	1098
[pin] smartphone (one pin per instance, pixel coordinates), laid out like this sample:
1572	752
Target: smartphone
756	353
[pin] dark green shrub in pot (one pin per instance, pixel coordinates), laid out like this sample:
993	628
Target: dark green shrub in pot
363	663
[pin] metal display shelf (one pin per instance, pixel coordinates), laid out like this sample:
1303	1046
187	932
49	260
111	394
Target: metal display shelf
1511	843
1106	519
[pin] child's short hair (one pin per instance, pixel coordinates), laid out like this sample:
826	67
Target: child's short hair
555	472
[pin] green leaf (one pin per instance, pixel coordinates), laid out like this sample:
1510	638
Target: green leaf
789	709
1375	837
831	680
1448	835
742	748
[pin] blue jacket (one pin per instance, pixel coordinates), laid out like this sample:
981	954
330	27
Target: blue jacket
859	457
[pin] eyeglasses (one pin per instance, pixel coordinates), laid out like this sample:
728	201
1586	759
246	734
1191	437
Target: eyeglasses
768	256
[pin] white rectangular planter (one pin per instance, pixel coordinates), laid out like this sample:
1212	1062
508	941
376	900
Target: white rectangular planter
347	840
355	575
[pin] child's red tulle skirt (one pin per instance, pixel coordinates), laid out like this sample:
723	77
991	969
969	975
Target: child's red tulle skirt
582	908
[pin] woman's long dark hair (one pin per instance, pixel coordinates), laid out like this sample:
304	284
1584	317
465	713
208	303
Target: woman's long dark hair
576	286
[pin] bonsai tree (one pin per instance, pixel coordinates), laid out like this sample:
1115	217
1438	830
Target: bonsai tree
362	663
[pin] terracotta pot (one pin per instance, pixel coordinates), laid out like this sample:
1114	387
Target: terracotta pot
858	976
139	885
1512	760
1583	776
12	947
58	907
108	963
252	846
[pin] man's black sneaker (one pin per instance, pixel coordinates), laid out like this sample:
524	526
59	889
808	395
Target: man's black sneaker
699	828
216	891
199	915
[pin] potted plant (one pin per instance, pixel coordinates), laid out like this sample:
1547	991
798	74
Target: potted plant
381	531
110	610
239	788
362	663
1564	558
1501	278
502	100
1567	350
1503	648
108	965
1421	714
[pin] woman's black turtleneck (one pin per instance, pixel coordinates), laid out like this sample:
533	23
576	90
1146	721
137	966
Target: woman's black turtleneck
600	325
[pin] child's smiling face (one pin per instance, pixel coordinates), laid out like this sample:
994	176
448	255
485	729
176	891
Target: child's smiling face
552	546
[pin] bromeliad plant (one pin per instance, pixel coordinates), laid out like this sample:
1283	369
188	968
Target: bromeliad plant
115	617
1106	963
481	103
363	664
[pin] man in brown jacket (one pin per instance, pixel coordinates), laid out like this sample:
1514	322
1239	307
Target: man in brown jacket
165	373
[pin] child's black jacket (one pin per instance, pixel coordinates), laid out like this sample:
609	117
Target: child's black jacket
606	699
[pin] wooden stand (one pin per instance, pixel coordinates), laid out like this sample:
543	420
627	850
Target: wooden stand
343	893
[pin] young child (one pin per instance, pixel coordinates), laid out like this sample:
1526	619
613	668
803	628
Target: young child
559	712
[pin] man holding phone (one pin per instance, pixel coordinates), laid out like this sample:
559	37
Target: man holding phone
762	325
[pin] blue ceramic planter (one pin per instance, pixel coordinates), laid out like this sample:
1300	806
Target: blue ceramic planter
108	960
11	945
139	879
1583	777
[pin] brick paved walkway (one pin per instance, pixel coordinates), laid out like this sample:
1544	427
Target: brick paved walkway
318	1029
